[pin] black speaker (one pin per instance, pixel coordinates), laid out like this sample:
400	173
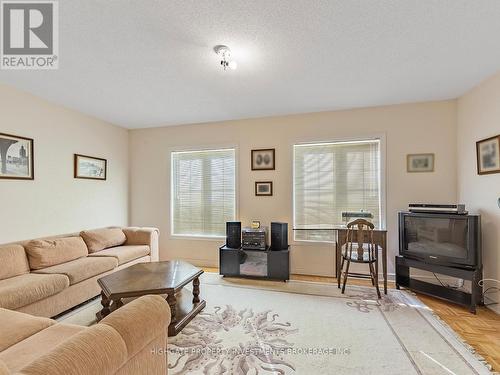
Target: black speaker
233	234
279	236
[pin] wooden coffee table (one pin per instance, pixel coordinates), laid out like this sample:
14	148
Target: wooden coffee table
167	278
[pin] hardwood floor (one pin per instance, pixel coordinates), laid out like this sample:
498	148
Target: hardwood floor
481	331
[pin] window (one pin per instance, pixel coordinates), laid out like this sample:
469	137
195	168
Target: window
203	192
331	178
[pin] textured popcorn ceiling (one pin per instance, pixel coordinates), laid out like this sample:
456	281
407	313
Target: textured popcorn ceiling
145	63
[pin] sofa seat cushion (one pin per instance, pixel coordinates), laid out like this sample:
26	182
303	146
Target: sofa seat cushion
25	289
23	353
100	239
81	269
16	326
124	254
13	260
47	253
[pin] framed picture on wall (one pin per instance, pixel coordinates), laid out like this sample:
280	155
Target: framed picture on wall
16	157
419	163
488	155
263	159
90	168
264	188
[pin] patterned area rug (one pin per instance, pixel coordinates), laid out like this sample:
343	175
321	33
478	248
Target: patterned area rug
260	327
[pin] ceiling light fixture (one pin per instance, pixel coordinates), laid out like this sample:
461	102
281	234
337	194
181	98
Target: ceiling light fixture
224	54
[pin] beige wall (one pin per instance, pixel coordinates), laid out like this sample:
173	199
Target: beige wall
55	202
479	118
408	128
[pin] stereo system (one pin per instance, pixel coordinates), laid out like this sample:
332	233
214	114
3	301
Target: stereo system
256	238
279	236
233	234
458	209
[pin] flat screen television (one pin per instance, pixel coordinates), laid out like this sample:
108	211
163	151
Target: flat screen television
445	239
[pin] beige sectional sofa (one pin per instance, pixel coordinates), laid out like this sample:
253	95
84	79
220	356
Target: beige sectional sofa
131	340
45	277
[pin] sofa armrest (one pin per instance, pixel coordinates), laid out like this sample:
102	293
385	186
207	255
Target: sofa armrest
95	350
144	236
149	316
113	345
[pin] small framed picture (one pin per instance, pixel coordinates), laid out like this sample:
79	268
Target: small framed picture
90	168
264	188
488	155
420	163
263	159
16	157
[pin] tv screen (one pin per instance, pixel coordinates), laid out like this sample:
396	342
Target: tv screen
443	237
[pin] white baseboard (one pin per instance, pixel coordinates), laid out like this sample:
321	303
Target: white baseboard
307	272
199	262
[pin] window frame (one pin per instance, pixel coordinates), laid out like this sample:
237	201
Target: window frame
202	237
381	137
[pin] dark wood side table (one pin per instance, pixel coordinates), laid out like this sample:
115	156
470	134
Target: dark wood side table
166	278
379	237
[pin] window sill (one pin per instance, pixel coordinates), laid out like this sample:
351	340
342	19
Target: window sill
190	237
312	243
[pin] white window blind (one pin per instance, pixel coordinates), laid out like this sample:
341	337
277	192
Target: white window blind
203	192
332	178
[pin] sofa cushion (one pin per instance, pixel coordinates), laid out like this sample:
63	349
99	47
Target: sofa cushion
25	289
123	254
13	260
82	269
46	253
139	235
22	354
100	239
16	326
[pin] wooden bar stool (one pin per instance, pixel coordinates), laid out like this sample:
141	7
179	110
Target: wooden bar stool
359	248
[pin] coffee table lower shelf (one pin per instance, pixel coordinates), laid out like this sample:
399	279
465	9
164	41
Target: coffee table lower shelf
185	311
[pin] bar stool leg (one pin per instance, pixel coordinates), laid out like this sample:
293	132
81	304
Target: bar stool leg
345	275
376	278
372	273
339	272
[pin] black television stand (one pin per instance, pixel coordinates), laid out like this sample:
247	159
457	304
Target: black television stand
470	300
